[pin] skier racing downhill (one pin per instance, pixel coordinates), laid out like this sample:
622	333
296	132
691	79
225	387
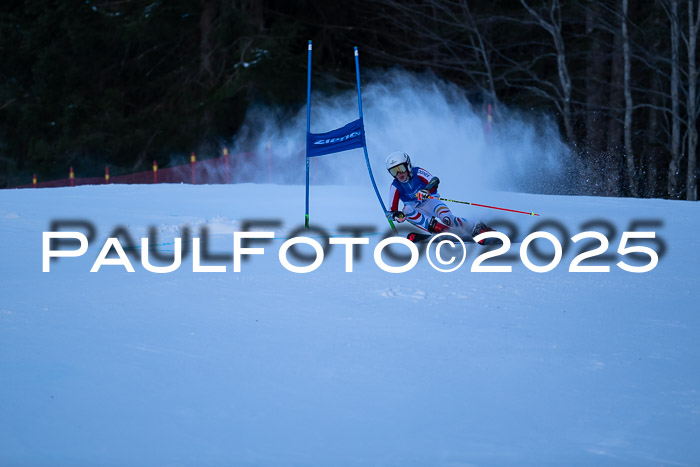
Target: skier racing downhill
417	188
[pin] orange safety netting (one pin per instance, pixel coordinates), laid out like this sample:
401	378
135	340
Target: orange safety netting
209	171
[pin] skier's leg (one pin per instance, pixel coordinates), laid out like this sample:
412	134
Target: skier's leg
417	217
464	226
422	215
459	226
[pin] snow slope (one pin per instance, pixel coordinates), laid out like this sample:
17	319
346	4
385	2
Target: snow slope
269	367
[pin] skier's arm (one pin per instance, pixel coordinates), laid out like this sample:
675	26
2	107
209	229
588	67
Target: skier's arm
429	189
432	186
393	213
394	197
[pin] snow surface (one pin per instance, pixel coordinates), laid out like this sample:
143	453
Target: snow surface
269	367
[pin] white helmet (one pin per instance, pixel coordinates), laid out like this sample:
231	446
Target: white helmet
396	159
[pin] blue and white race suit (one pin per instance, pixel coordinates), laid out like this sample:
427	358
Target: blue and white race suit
419	213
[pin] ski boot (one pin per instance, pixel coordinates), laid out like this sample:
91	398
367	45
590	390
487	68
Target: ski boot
436	227
481	228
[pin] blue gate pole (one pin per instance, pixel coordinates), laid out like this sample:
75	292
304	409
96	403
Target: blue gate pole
308	130
364	146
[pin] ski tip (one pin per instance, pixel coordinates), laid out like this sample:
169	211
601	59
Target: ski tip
490	242
416	237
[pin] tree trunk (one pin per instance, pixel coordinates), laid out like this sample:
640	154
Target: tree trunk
652	153
206	52
615	102
693	23
595	75
553	27
206	49
483	54
672	186
629	151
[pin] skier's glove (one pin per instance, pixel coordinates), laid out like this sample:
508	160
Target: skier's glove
398	216
422	195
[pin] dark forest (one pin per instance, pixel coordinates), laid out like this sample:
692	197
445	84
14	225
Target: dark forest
89	83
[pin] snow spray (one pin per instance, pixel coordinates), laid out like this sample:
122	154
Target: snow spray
430	119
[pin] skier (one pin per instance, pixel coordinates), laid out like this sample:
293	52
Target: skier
415	186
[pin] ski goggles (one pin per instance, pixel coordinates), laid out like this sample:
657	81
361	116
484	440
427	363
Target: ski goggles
395	170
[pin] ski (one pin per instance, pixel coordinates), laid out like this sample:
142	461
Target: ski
491	241
417	237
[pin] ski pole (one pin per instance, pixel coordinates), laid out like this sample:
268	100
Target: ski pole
482	205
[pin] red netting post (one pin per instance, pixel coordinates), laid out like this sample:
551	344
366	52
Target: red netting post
34	180
226	169
155	172
193	161
106	175
71	175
